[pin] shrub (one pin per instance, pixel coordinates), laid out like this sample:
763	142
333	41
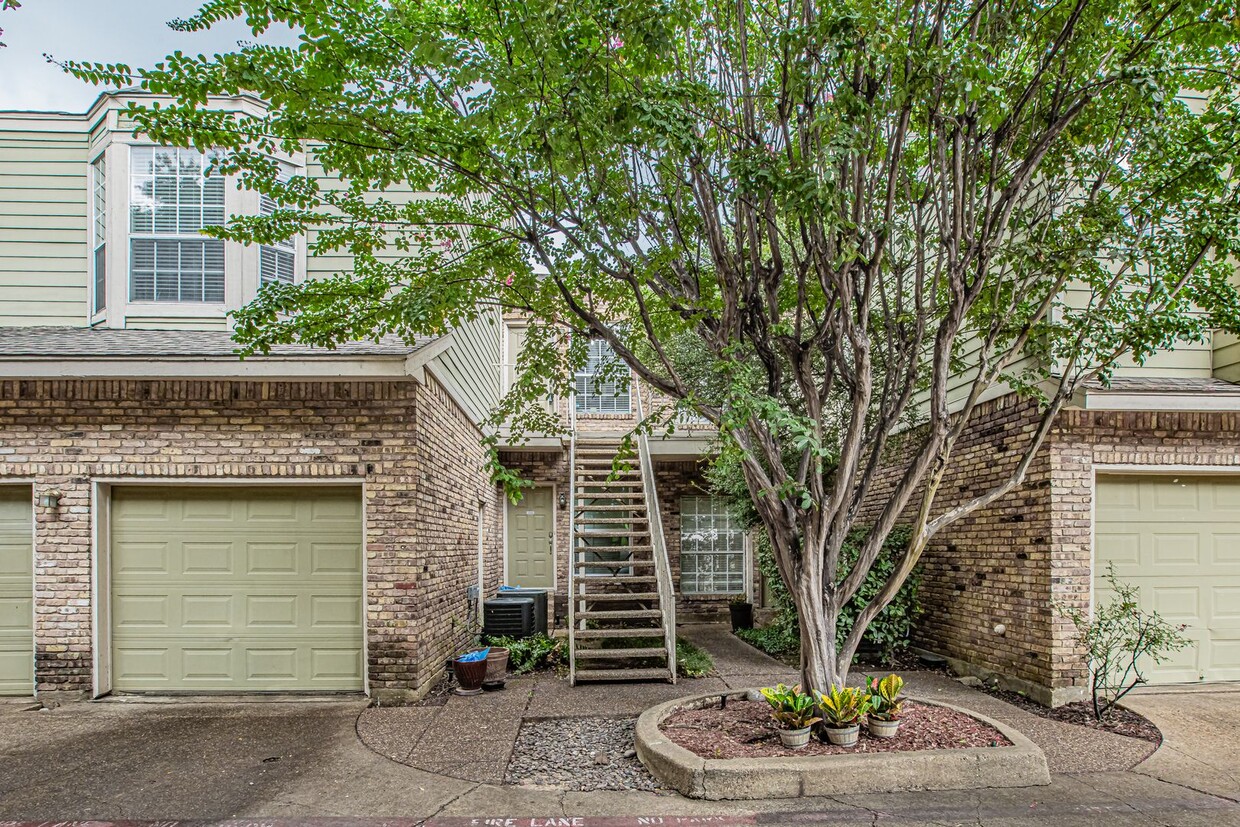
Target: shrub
885	700
790	707
843	706
1115	640
529	653
890	631
692	662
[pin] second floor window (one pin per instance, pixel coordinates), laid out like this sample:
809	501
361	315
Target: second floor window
276	262
172	198
99	234
602	385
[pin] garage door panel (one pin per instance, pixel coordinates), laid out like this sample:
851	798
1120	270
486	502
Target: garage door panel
327	664
1181	548
250	593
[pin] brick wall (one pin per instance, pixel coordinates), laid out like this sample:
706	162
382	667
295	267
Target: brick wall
416	452
1013	562
993	567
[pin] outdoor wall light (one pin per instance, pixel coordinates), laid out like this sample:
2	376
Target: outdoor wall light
563	500
50	498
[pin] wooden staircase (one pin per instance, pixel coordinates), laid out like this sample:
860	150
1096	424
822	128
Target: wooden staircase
621	610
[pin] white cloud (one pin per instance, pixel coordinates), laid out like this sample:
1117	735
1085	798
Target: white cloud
108	31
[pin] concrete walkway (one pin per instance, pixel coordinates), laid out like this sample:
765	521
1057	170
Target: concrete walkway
304	759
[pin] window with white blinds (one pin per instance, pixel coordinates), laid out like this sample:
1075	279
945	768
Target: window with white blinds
99	234
602	385
276	262
172	198
712	548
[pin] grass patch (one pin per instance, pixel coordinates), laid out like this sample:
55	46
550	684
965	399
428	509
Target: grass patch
692	662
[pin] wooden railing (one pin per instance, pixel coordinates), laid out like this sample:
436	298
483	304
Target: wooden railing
662	564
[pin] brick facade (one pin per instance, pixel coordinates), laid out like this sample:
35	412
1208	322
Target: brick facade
416	454
1008	565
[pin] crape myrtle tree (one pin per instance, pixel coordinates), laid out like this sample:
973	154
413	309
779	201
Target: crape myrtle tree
821	226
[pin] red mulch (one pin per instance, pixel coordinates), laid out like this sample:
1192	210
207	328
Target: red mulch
1119	721
744	729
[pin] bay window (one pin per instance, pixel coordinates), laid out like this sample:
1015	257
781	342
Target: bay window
276	262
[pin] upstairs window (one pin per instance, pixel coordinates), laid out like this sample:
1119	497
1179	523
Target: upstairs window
99	234
276	262
172	198
602	385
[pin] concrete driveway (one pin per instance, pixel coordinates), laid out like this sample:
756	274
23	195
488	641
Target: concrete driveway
211	761
1201	737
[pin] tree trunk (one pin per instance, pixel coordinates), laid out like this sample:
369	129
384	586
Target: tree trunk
819	665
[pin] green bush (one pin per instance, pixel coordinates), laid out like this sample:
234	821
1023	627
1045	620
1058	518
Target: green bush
527	654
890	631
692	662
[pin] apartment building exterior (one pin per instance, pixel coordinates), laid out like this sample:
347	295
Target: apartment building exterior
176	519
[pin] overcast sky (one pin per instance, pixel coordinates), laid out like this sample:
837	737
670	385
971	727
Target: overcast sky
108	31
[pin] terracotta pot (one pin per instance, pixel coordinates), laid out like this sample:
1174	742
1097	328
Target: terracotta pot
794	738
882	729
497	668
469	676
844	736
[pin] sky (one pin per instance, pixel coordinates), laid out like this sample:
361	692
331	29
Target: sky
109	31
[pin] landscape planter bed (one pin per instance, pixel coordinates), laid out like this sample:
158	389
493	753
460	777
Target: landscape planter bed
914	760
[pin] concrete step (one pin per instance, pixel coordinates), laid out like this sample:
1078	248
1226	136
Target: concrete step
602	597
620	654
609	535
662	674
618	614
611	634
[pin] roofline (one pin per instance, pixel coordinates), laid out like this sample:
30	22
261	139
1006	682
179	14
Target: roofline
1152	400
97	104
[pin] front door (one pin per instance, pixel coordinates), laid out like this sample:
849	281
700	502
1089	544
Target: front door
531	527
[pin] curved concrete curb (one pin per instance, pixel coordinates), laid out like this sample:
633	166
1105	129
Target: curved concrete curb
1020	765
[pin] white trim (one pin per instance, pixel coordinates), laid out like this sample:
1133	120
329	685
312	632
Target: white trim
1201	401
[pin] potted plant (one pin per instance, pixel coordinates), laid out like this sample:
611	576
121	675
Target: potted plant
741	611
883	719
470	670
497	668
842	709
793	711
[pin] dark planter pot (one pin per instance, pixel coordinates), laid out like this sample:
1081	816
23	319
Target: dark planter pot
742	615
497	668
469	676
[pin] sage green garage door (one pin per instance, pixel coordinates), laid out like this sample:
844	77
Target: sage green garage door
16	592
237	589
1178	539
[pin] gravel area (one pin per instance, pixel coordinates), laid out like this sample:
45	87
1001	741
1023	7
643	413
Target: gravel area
578	754
744	729
1121	721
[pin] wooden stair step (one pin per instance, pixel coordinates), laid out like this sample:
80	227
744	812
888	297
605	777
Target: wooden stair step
600	535
622	674
612	520
611	494
620	579
621	654
618	614
584	508
596	597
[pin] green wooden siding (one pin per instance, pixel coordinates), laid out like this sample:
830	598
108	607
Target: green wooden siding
43	220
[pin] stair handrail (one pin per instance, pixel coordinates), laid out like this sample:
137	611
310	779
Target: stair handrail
658	544
572	538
